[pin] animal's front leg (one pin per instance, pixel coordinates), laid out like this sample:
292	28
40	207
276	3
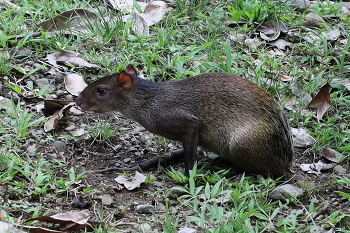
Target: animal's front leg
189	144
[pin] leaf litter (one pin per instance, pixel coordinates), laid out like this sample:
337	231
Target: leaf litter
131	183
321	101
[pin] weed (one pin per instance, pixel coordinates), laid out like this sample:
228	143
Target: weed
102	131
253	11
344	181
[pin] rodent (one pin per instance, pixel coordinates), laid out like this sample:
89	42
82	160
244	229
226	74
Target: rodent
227	114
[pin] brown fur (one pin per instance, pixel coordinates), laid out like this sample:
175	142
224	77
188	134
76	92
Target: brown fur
224	113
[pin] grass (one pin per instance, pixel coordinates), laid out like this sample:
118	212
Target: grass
195	37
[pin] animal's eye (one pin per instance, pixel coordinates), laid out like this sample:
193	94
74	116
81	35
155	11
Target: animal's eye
101	90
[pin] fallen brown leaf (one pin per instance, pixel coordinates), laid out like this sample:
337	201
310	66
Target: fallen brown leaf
329	154
321	102
301	138
281	44
313	168
72	221
8	227
66	57
75	21
271	31
132	183
345	10
74	83
285	78
153	13
56	117
126	5
50	106
300	92
340	81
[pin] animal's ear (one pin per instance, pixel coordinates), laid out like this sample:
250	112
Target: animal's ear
125	80
131	70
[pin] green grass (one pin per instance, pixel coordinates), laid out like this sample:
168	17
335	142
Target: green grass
192	39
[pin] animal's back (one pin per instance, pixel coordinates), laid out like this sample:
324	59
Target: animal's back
239	121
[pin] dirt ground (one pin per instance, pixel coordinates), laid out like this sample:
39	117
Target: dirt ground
134	145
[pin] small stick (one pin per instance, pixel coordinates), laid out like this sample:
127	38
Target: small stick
21	36
317	213
10	4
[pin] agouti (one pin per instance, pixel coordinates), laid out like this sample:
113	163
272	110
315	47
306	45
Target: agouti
225	113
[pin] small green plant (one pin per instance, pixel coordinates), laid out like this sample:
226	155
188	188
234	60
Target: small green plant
65	185
240	202
102	131
24	121
5	64
345	182
290	223
16	88
149	178
177	176
251	11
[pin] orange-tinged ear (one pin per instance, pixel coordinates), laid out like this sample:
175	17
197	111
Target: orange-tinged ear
125	80
131	70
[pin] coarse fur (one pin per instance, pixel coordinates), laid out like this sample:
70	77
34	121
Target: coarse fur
225	113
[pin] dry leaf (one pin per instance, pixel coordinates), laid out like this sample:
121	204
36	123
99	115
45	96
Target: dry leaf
291	104
321	102
50	106
299	92
253	43
285	78
81	217
72	221
313	168
133	183
65	57
140	26
312	19
301	138
7	105
332	35
74	83
56	117
153	13
3	191
186	230
329	154
267	32
75	21
8	227
344	82
16	7
78	132
123	5
281	44
11	228
271	31
347	85
126	5
345	10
